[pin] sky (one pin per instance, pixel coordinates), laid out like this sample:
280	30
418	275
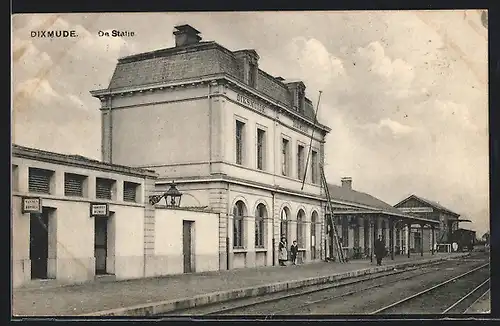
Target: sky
405	92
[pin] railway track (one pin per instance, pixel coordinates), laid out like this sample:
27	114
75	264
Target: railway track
300	299
465	289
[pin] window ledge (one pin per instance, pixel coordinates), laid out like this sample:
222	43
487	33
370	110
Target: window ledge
239	250
260	250
302	249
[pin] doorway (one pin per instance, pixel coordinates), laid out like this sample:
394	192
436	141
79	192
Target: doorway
418	241
39	244
100	244
187	246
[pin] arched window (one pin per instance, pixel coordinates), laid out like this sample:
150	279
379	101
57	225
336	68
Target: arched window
300	228
314	220
239	211
285	214
260	216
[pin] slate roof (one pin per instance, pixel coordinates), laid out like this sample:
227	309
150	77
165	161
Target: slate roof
357	197
434	204
202	59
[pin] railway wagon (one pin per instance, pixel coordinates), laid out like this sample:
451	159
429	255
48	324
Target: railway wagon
466	239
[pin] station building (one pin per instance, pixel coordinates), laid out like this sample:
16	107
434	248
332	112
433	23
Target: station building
233	137
66	240
361	218
447	219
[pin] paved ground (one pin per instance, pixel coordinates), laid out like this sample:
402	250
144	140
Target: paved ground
98	296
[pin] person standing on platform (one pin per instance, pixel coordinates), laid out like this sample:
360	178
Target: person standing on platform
283	254
379	250
294	249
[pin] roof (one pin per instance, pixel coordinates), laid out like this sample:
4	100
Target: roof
434	204
78	160
205	58
356	197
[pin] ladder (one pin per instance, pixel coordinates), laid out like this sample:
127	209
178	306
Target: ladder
336	240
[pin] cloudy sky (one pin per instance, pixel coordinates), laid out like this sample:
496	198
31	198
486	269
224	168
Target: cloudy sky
405	92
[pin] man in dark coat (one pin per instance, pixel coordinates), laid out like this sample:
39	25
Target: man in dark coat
294	249
379	250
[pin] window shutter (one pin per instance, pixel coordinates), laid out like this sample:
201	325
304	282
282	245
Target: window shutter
129	191
103	188
73	184
39	180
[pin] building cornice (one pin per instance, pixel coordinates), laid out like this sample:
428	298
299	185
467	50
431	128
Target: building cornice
78	161
233	180
102	94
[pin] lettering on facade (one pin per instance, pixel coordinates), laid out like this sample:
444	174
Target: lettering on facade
300	126
99	210
32	205
251	103
416	209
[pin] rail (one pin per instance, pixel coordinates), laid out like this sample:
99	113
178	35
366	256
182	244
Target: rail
397	303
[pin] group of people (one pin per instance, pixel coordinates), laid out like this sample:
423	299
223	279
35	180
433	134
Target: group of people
380	251
283	252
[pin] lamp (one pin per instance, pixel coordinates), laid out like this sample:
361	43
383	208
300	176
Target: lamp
172	197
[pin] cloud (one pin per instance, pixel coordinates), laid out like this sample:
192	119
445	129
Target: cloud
34	89
318	66
395	127
76	100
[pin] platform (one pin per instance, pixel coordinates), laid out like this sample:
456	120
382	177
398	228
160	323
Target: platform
147	296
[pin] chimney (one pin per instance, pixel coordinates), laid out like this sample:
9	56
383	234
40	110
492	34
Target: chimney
346	182
186	35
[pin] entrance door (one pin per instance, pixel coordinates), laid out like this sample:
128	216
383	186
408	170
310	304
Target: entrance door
100	244
187	245
418	242
39	244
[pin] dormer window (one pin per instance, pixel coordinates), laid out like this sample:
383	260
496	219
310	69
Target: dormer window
249	60
301	100
252	75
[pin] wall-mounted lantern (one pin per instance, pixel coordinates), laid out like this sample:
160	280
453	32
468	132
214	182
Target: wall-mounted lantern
172	197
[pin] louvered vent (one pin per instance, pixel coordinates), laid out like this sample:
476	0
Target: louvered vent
129	191
39	180
104	188
73	184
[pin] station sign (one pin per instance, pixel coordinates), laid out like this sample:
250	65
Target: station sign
416	209
32	205
99	210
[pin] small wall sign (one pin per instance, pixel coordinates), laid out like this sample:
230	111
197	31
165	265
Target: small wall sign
99	210
31	205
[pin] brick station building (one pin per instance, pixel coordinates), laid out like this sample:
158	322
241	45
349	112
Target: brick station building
233	137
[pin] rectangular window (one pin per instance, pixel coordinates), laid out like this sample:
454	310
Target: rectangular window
104	188
239	142
261	148
40	180
130	191
285	157
73	184
314	167
15	178
300	162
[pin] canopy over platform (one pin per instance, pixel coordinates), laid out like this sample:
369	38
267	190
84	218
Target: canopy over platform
349	202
